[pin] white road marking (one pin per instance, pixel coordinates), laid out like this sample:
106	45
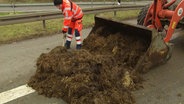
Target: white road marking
15	93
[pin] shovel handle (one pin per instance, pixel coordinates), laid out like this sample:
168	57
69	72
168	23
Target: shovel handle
64	39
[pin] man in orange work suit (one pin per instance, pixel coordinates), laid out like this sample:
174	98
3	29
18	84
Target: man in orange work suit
72	21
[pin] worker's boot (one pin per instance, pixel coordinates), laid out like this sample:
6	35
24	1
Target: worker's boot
78	46
67	44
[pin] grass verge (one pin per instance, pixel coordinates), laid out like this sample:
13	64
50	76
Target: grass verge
17	32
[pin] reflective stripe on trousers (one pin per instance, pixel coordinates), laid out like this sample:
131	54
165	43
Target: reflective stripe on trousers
75	26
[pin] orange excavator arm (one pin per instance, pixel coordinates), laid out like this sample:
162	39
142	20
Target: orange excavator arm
159	10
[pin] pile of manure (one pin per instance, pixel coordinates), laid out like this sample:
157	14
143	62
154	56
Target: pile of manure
102	72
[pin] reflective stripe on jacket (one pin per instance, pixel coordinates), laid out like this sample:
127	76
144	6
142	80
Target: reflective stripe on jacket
71	12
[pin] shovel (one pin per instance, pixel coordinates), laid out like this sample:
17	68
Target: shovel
64	39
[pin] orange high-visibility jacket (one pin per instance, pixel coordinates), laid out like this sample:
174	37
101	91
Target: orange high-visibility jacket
71	12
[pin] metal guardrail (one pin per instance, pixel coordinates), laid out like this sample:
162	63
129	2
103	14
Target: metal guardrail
51	4
7	20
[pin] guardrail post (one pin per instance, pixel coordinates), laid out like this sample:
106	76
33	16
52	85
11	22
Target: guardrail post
114	2
134	2
114	13
44	24
13	6
91	3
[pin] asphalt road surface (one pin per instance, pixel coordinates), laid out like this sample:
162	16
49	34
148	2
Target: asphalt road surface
163	84
9	8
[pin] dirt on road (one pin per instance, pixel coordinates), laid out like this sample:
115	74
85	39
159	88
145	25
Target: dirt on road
102	72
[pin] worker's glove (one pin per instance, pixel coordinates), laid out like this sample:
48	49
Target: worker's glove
64	30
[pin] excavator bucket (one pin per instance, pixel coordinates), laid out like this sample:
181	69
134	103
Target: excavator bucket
157	51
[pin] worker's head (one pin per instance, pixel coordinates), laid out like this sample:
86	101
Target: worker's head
57	3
